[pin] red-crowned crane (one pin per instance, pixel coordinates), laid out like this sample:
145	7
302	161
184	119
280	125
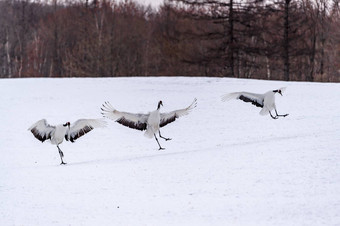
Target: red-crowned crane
151	122
56	134
265	101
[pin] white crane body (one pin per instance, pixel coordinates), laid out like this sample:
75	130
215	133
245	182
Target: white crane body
151	122
265	101
56	134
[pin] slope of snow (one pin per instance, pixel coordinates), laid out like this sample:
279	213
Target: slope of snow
225	164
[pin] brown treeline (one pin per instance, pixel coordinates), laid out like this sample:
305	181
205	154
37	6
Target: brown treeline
282	40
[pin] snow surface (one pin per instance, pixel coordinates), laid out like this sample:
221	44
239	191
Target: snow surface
225	164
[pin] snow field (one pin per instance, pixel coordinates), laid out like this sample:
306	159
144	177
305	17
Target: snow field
225	164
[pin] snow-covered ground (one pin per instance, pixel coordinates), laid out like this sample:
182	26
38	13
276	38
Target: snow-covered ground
225	164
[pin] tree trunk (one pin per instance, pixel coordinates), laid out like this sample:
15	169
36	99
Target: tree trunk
286	62
231	38
312	56
56	68
323	39
8	57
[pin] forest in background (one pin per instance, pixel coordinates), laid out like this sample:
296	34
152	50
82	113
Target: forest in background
292	40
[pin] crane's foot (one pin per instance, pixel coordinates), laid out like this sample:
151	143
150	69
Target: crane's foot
273	117
161	149
166	139
63	163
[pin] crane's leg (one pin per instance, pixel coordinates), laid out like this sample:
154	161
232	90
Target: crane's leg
277	115
160	148
61	156
273	116
163	137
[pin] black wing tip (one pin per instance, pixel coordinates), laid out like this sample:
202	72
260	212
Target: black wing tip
106	103
195	102
37	135
169	120
80	133
247	99
107	107
139	125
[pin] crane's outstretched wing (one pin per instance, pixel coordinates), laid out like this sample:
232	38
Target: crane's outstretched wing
169	117
254	98
42	130
131	120
83	126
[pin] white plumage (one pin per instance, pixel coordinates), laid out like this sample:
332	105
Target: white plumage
56	134
265	101
150	122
